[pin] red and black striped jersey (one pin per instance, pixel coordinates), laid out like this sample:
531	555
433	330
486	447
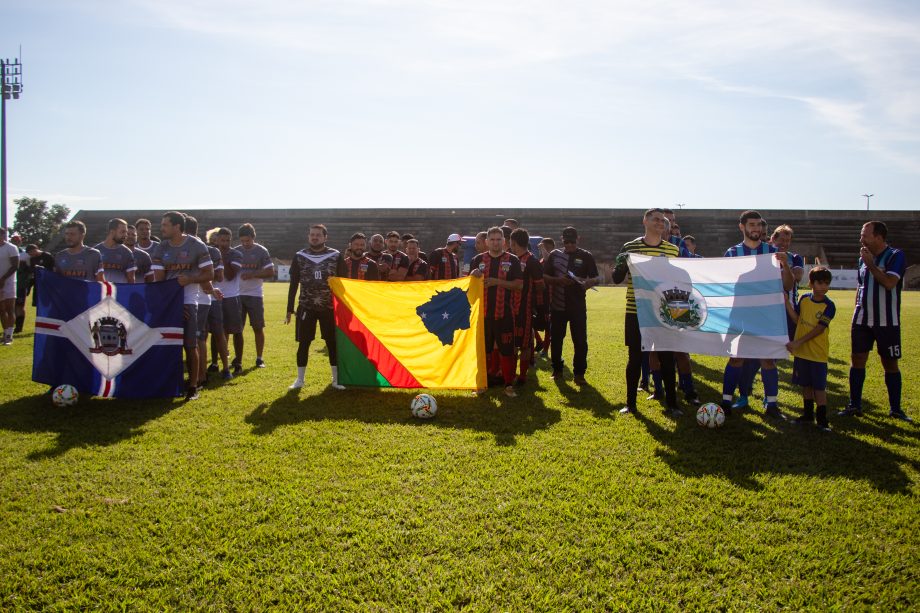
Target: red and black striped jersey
418	267
362	268
499	300
530	298
444	264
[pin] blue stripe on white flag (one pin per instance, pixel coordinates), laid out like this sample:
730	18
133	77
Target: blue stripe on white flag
741	301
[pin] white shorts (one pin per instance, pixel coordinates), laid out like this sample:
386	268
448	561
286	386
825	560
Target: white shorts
8	289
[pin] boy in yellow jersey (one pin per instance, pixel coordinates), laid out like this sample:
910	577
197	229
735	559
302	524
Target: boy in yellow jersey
812	316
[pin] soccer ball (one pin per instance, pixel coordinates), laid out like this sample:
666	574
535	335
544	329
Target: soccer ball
424	406
64	396
710	415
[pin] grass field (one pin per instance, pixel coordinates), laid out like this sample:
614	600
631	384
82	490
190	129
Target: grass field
255	498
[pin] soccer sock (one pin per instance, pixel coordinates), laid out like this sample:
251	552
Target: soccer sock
525	366
686	382
507	367
20	320
656	377
770	378
493	362
857	378
645	368
809	408
301	371
822	414
893	383
730	381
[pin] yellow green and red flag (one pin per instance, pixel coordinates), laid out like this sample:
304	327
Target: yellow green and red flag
425	334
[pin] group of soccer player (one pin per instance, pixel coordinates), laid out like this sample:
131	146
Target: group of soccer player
222	284
525	297
876	322
518	292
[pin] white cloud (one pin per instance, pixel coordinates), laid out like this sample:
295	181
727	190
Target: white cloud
783	48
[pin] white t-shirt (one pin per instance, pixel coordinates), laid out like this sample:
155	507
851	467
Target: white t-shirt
8	250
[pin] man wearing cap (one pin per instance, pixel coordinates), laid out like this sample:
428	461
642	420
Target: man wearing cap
444	263
570	272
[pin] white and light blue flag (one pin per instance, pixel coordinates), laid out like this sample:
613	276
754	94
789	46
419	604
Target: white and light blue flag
712	306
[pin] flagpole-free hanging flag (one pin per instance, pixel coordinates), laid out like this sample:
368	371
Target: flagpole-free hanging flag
711	306
425	334
109	339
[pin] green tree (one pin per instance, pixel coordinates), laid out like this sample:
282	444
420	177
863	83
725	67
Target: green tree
36	221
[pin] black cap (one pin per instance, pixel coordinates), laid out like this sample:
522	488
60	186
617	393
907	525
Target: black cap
569	234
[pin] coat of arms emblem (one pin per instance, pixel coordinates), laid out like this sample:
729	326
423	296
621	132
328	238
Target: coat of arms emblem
682	308
110	337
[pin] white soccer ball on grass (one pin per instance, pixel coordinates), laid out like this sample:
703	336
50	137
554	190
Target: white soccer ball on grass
424	406
65	396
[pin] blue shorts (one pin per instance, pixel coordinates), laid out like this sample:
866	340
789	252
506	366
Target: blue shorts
887	338
809	374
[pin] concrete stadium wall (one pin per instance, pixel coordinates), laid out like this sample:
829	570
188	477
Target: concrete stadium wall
831	235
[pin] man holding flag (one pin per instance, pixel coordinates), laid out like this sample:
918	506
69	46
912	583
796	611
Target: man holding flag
752	227
651	243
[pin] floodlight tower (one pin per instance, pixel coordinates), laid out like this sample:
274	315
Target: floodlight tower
11	82
867	196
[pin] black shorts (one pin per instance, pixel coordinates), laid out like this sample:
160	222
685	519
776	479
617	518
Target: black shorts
887	338
500	333
305	328
215	318
202	325
631	330
190	325
232	315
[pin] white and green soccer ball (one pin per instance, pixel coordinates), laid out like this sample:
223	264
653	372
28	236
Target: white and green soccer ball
424	406
65	396
710	415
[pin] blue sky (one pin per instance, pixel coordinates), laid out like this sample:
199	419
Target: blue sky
424	103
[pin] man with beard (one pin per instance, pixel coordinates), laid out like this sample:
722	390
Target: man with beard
400	265
444	263
143	274
311	269
186	259
117	260
356	264
379	255
78	261
751	226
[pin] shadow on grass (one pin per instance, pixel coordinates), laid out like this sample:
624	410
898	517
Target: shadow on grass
92	422
749	445
504	418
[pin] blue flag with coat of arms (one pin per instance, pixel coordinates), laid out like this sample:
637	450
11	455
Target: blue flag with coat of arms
109	339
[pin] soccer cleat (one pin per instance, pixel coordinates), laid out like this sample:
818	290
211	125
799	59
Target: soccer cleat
807	417
557	375
237	370
741	403
296	385
773	412
509	391
824	427
673	412
656	395
643	386
337	386
692	398
579	380
226	374
191	394
213	367
627	410
850	411
899	415
260	363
